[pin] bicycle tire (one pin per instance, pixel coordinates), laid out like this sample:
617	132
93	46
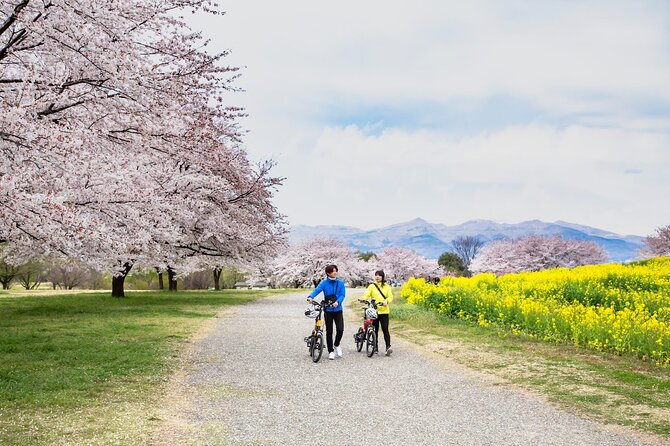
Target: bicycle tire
317	347
360	339
371	342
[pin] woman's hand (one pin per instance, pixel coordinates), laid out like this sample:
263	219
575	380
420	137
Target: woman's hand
335	304
310	300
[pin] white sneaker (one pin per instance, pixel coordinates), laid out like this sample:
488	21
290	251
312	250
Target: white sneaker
331	355
338	351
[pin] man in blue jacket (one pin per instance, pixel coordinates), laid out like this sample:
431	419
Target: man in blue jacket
333	291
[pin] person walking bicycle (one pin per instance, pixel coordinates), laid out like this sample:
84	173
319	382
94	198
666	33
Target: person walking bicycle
380	292
333	290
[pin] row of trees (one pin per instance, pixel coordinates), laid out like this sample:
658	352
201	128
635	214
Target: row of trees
303	264
66	274
535	253
57	272
117	144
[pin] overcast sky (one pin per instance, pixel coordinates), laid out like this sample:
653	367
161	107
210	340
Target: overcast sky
378	112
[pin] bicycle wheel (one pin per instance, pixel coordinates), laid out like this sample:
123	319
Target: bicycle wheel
360	339
317	347
370	342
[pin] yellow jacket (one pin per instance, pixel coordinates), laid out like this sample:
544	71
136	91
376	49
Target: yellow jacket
372	293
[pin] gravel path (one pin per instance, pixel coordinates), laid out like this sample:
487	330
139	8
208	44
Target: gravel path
250	381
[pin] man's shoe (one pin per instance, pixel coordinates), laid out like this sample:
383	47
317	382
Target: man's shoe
389	351
331	355
338	351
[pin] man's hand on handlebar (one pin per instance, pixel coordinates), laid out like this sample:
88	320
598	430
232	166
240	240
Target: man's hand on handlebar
335	304
310	300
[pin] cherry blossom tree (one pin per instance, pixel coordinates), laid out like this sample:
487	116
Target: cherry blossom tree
304	263
535	253
657	244
117	146
227	220
65	273
400	264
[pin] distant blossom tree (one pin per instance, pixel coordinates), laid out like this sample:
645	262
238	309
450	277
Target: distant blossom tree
657	244
66	273
304	263
401	263
535	253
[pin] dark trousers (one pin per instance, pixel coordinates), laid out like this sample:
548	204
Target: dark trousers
338	317
383	319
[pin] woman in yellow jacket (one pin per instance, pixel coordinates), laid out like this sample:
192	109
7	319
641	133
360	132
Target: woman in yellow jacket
380	292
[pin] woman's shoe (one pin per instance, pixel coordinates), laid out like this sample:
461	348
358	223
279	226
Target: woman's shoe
389	351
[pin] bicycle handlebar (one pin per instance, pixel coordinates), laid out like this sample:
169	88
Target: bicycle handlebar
322	304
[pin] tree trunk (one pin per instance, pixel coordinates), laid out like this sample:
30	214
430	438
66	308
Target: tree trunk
172	281
117	281
217	278
160	279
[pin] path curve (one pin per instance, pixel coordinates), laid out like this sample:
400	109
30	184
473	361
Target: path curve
251	381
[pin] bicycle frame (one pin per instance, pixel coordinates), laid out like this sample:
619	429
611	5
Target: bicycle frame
366	334
315	340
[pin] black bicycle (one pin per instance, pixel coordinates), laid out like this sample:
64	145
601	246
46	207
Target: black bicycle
315	340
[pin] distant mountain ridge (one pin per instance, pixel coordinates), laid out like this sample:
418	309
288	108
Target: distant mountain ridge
432	239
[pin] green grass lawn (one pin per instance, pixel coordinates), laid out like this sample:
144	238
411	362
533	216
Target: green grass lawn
87	368
615	389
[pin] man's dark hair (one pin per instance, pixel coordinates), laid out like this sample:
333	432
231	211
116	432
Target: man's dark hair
331	268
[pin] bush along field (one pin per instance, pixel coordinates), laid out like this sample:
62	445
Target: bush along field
617	308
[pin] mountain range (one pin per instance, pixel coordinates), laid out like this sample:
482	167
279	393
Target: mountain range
431	239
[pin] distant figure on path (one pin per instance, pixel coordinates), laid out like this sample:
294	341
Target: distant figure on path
380	292
333	291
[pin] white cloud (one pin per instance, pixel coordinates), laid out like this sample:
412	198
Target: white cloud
577	174
592	79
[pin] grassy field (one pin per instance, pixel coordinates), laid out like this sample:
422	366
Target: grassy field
86	368
615	389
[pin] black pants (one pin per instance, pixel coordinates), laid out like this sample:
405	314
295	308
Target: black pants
338	317
383	319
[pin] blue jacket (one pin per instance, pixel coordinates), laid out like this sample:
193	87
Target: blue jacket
330	286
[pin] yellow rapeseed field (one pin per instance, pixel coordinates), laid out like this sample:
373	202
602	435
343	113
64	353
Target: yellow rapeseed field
612	307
